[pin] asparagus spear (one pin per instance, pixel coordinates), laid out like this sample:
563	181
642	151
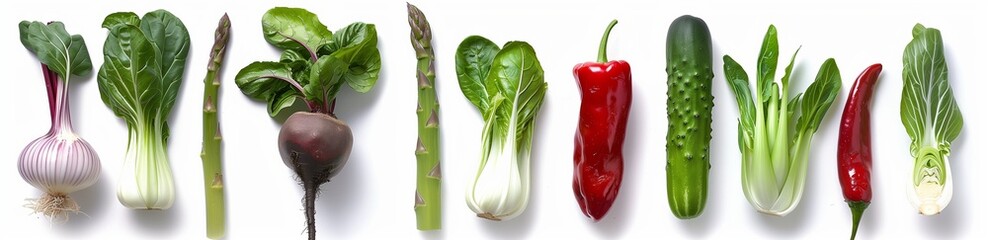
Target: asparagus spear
428	198
212	168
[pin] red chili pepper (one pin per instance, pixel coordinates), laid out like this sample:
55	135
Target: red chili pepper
854	145
598	161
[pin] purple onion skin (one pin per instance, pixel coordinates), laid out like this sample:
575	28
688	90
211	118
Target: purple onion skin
60	162
59	165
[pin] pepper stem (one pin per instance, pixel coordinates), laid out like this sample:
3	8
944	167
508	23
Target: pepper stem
857	209
602	51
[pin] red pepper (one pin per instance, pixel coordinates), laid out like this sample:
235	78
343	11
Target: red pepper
854	145
598	161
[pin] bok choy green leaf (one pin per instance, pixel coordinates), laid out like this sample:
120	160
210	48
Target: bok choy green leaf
774	160
507	86
143	64
931	117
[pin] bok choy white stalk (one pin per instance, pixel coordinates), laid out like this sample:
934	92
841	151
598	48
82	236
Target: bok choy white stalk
931	117
775	131
507	86
143	63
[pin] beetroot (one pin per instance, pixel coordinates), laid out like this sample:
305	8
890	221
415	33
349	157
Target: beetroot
315	146
314	66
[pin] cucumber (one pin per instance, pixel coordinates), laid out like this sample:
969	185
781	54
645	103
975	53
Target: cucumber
688	63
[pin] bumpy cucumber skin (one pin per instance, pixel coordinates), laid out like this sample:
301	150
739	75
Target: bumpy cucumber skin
689	105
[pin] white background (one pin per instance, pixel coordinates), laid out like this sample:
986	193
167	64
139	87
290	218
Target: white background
372	197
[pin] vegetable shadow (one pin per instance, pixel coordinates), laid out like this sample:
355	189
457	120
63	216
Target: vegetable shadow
869	221
443	155
92	202
158	223
950	223
700	226
616	222
352	106
338	197
337	200
521	226
434	234
77	86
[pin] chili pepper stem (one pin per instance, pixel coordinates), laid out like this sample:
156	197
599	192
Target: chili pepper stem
857	209
602	51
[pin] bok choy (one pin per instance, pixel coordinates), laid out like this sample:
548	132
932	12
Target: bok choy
775	153
143	63
507	86
931	117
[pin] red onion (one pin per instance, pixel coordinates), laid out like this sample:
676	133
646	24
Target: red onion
60	162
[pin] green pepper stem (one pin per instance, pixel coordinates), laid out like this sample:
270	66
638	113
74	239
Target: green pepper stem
602	51
857	209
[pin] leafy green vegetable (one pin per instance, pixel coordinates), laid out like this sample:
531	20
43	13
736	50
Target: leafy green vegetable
473	62
774	162
509	96
63	53
296	29
312	69
931	118
518	77
265	78
315	62
356	44
144	60
121	18
324	78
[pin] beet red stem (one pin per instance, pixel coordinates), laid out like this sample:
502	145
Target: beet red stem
50	86
332	108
